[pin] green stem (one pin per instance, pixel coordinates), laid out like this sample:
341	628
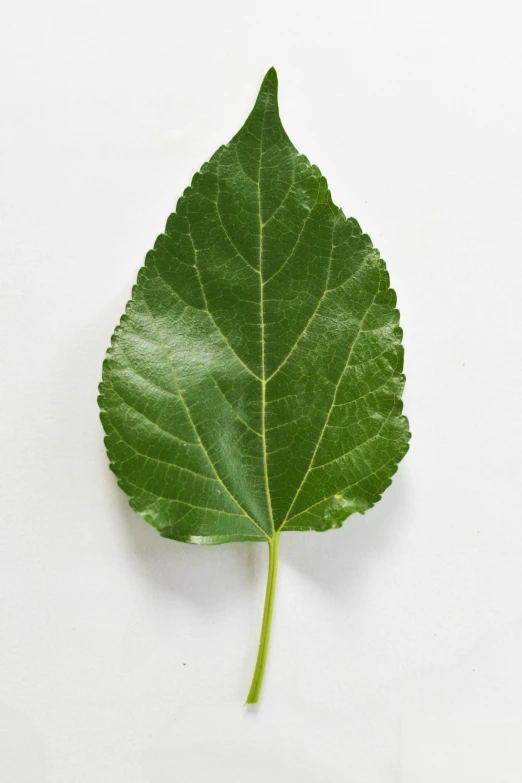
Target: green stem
257	681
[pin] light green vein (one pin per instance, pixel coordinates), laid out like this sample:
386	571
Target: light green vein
189	415
287	516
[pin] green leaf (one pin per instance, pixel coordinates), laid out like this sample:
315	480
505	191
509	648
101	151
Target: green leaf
253	385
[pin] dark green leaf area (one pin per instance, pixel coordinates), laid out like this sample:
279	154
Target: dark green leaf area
254	382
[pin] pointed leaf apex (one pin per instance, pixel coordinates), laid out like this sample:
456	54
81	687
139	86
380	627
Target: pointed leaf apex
269	85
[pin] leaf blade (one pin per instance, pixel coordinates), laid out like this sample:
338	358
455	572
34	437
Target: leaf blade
261	350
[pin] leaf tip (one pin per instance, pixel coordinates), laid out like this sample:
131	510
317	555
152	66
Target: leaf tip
269	85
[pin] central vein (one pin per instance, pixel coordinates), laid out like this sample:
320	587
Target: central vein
262	312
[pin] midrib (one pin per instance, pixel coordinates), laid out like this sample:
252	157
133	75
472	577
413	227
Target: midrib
262	314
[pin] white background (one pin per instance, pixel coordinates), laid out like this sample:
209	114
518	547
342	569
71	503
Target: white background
127	658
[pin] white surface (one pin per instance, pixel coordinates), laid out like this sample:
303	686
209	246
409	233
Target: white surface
126	658
469	747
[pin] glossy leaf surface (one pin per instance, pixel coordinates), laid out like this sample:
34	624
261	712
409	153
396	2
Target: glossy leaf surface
254	383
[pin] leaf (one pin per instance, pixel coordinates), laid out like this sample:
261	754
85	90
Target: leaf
253	385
